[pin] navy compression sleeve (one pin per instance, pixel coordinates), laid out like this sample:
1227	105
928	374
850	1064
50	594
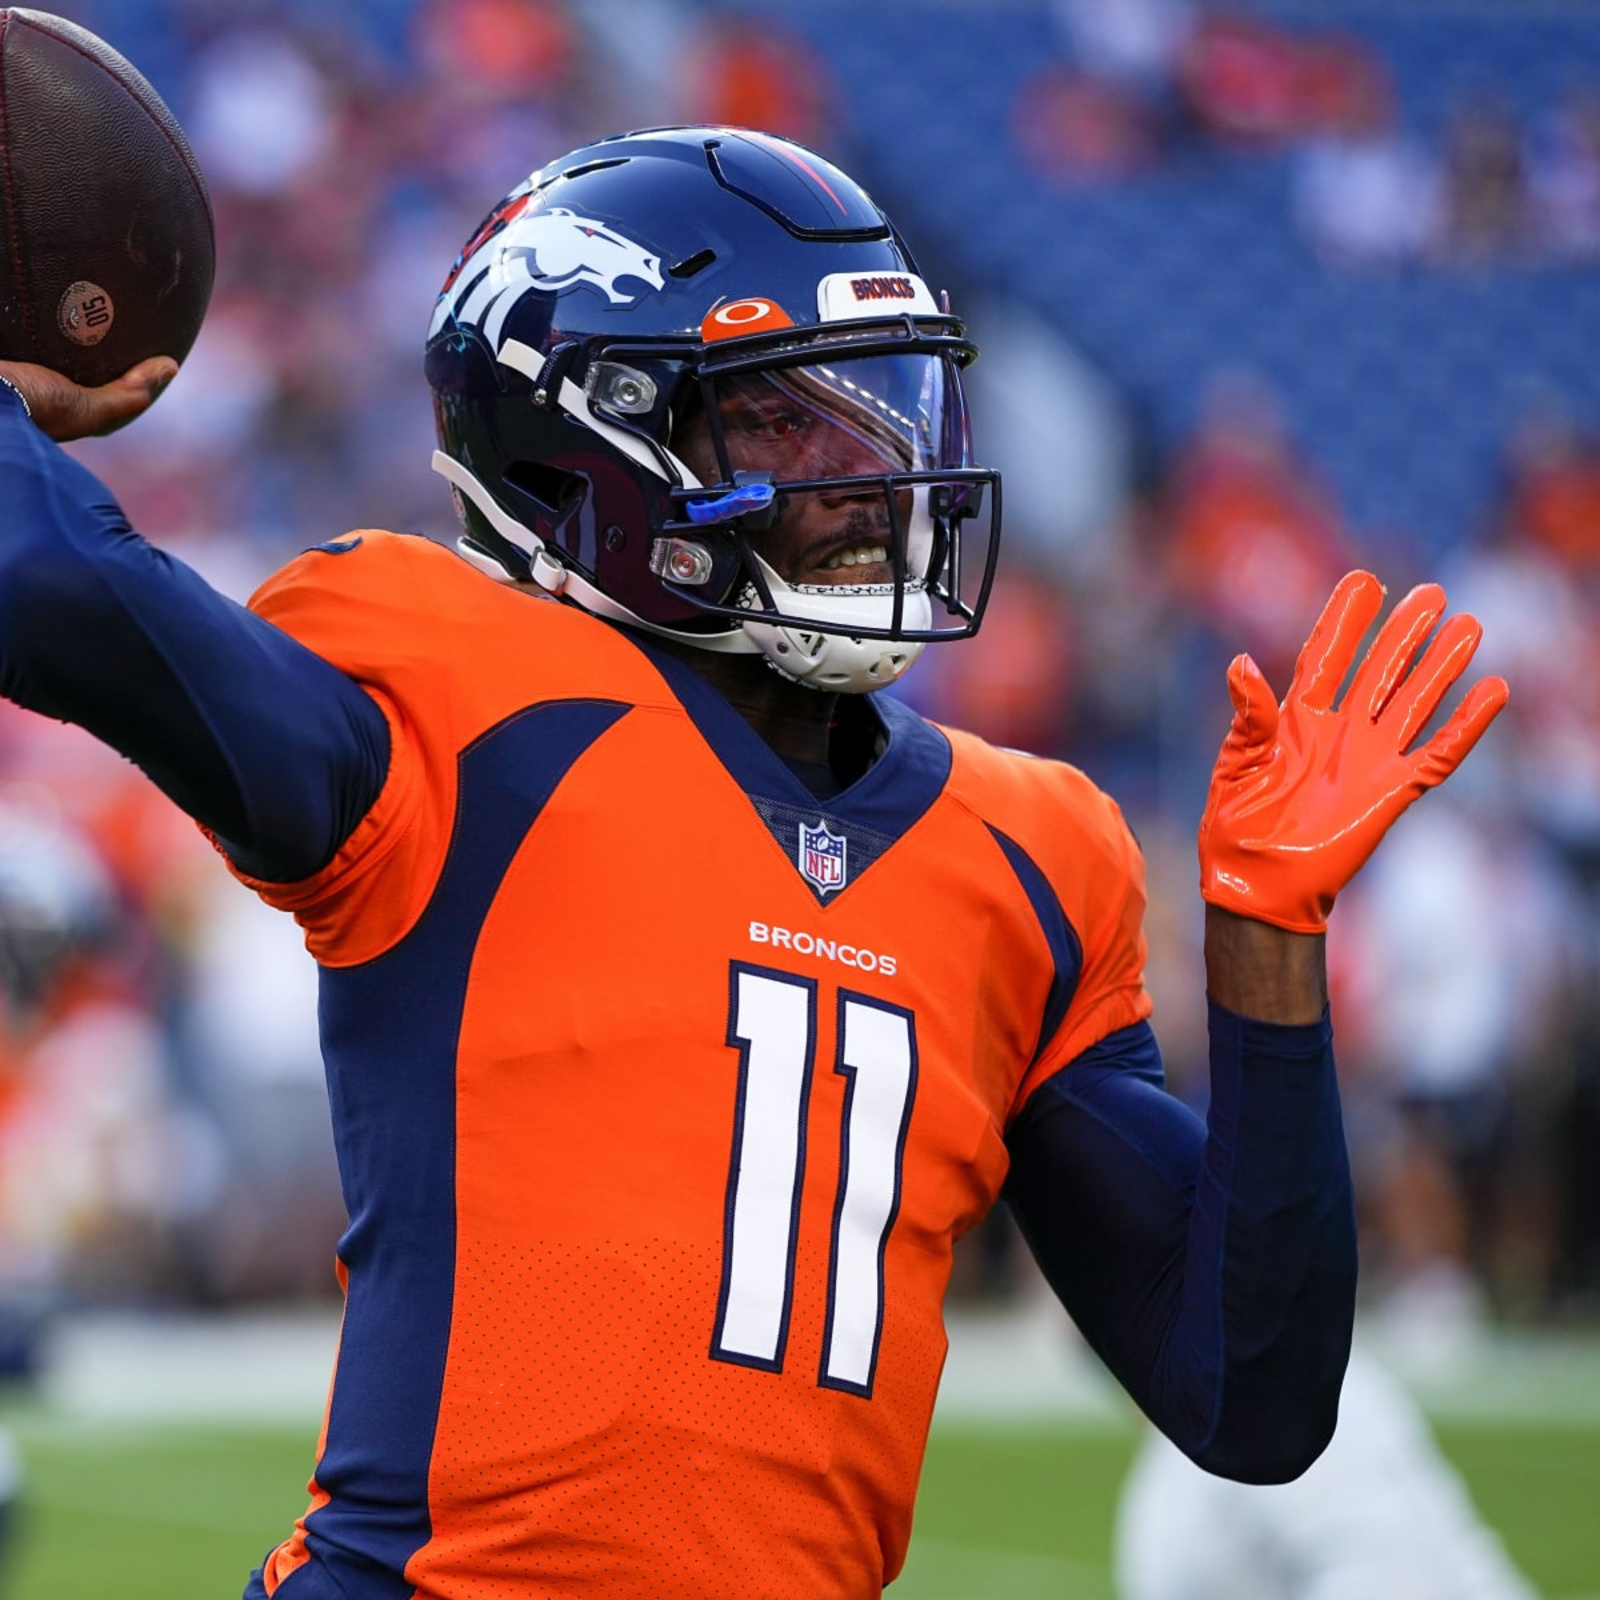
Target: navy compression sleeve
1212	1264
271	747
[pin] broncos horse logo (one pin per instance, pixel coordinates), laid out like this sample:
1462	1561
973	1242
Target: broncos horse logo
520	248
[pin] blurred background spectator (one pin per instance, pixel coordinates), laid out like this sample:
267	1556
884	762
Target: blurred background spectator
1366	193
1164	220
1487	201
1254	541
1253	81
1565	176
762	74
105	1162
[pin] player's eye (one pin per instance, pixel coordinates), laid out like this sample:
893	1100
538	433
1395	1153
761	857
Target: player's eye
768	424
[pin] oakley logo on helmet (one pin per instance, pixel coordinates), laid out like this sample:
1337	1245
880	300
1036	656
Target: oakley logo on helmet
734	317
552	249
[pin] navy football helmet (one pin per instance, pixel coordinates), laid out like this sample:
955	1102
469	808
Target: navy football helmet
692	380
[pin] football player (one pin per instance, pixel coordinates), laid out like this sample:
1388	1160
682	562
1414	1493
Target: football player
683	999
62	1038
1381	1514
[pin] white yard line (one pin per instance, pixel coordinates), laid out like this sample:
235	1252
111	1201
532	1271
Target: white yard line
257	1367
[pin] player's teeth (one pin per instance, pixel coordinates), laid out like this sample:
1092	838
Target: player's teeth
866	555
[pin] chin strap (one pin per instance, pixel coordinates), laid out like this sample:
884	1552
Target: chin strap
554	578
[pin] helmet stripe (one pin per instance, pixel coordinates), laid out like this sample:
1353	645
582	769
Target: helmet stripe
791	154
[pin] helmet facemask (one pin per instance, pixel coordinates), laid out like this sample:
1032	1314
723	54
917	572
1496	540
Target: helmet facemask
830	497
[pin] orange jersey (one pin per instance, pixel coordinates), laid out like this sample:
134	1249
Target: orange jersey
661	1092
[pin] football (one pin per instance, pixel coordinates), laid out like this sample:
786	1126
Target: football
107	246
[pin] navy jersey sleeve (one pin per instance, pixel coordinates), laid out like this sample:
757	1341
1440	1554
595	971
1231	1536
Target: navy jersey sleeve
270	747
1210	1264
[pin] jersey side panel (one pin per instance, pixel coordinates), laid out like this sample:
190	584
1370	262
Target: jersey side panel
391	1030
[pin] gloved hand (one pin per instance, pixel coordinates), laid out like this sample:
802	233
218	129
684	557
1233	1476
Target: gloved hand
1302	792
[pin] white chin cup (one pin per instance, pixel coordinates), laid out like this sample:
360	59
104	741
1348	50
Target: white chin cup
839	663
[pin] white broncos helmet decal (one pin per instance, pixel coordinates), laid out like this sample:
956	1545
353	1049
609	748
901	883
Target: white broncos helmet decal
518	249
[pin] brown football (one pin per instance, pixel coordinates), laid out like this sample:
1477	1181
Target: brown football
107	248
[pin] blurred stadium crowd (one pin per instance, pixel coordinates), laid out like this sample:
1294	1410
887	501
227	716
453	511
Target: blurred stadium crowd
1264	292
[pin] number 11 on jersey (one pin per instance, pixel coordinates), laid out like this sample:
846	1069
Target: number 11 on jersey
772	1022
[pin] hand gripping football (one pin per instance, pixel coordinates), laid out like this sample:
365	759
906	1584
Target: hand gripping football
106	243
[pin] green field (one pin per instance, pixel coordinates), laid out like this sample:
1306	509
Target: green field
1019	1512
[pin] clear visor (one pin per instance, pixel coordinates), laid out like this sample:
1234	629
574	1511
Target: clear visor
852	417
875	523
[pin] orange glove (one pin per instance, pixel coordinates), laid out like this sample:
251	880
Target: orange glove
1302	792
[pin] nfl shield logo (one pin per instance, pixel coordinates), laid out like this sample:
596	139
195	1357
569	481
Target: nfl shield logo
822	856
